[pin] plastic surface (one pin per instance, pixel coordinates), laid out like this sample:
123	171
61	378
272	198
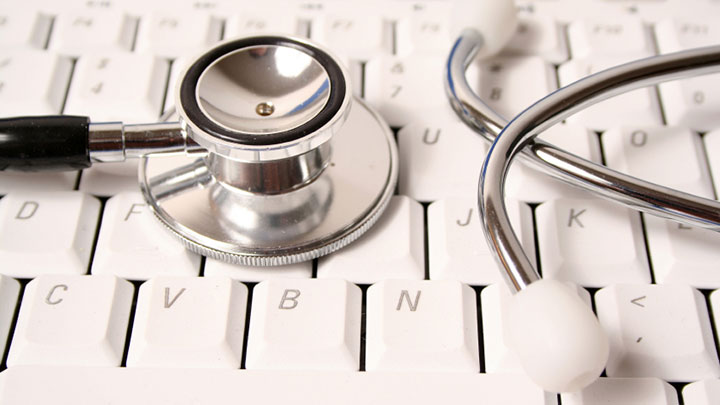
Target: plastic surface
556	337
496	20
44	143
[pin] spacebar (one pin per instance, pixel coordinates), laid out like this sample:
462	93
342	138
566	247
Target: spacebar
89	385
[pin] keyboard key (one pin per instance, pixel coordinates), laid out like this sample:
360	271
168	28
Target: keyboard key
172	33
9	290
712	148
421	326
72	320
132	244
216	268
23	182
118	87
690	102
49	232
591	242
33	82
354	34
189	322
705	392
392	248
681	254
626	391
304	325
657	331
638	107
456	244
678	33
439	159
624	37
407	89
495	301
87	31
120	385
524	183
258	21
498	83
424	28
669	156
540	36
23	27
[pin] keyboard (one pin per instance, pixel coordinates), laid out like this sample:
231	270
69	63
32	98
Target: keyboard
100	304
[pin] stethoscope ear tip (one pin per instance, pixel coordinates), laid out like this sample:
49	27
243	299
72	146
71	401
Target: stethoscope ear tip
556	337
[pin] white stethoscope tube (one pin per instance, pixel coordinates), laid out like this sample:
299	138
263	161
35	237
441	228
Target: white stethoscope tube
568	349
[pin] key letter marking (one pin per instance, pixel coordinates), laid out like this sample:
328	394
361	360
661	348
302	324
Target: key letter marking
405	295
169	302
49	299
27	210
287	297
575	217
132	210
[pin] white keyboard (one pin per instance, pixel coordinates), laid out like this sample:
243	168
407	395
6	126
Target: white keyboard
99	304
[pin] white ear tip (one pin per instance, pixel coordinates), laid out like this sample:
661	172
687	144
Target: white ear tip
495	20
556	337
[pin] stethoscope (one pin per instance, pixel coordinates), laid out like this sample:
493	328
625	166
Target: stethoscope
272	161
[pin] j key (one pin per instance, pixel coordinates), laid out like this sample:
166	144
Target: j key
50	232
304	325
132	244
189	322
421	326
457	248
72	320
658	331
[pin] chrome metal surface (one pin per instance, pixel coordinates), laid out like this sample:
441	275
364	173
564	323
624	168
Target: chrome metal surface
258	92
106	142
272	176
115	142
228	223
637	194
263	89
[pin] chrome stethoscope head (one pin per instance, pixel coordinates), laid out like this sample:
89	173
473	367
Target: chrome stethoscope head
272	160
294	168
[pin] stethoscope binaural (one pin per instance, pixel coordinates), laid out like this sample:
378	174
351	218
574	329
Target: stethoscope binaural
555	335
273	161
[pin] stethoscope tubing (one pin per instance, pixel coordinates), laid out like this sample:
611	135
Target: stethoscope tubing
519	136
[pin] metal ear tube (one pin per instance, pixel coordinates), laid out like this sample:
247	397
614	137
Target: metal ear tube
569	349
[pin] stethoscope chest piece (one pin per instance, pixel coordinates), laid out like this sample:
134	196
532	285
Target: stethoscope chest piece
294	167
